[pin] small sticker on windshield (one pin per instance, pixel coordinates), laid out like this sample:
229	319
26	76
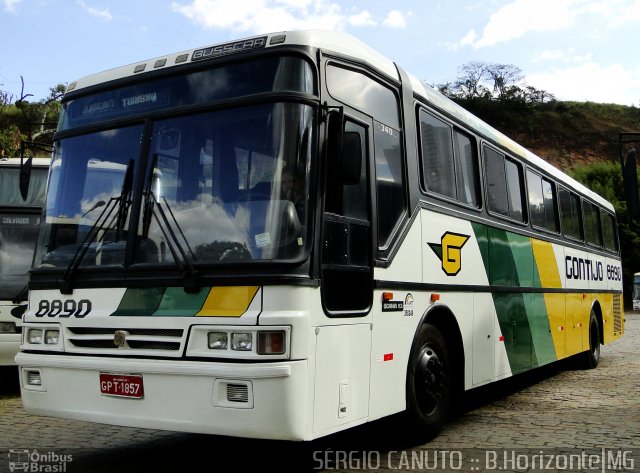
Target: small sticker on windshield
263	239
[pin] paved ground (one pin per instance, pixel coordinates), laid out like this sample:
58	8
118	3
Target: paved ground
557	419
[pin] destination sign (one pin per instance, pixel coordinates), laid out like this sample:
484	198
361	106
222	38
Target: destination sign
228	48
19	220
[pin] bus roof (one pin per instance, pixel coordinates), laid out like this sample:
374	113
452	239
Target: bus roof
342	44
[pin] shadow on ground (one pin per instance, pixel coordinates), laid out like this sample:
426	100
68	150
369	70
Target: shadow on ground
184	452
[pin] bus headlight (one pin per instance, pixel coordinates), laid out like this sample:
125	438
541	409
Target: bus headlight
218	340
234	342
46	337
34	336
51	337
242	341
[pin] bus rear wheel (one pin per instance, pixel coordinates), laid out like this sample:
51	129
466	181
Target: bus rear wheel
429	382
592	356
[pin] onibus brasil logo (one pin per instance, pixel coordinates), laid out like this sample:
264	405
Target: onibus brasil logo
35	461
449	251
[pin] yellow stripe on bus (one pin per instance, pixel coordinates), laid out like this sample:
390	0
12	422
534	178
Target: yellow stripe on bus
555	303
228	301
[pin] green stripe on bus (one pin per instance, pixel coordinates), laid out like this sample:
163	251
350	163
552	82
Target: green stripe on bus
543	348
523	319
140	302
178	303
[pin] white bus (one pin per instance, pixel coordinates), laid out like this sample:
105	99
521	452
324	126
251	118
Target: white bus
19	222
636	291
304	238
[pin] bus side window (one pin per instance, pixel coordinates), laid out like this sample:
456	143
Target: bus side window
467	174
449	160
609	231
570	215
436	141
542	202
592	224
504	185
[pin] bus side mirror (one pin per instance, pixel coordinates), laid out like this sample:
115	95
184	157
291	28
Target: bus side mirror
335	120
25	177
351	158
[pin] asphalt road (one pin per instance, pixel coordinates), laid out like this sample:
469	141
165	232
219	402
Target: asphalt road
558	418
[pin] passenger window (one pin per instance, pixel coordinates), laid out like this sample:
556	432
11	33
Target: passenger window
467	174
542	202
449	161
504	185
437	155
592	224
570	215
496	182
514	186
608	231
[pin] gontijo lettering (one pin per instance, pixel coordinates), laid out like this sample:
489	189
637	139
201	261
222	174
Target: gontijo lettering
585	269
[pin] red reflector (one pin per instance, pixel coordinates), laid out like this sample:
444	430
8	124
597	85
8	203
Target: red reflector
387	296
502	338
435	297
388	356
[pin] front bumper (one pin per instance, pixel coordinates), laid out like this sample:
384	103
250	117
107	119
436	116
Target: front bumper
179	395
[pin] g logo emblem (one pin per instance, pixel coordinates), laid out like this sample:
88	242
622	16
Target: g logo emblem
449	251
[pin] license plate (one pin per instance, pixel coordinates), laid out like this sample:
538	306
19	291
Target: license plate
122	385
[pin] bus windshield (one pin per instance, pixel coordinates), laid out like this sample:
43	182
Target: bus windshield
636	287
227	185
19	222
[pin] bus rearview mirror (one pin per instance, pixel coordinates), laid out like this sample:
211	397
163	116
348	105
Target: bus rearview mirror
25	177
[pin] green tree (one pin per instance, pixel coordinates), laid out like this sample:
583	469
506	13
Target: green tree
10	138
33	122
606	180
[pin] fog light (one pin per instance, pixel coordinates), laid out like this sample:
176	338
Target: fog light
218	340
7	327
33	378
51	337
271	343
34	336
241	341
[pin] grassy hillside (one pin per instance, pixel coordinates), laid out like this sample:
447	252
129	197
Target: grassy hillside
566	134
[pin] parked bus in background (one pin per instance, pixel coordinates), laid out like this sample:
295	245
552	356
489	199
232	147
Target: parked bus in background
636	291
19	222
423	252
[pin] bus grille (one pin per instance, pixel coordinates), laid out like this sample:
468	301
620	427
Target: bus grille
125	341
617	313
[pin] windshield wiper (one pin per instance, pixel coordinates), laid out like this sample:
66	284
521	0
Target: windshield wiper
173	243
153	210
122	203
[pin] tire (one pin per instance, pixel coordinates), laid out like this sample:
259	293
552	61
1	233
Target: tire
429	383
592	356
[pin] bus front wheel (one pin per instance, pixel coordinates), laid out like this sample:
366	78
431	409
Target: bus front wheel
429	382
